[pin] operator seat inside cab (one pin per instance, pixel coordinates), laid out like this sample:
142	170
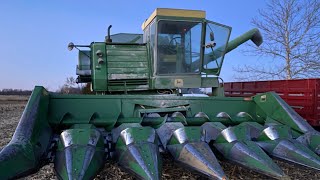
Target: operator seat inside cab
175	44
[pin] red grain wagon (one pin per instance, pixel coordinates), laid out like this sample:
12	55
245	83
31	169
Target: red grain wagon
301	94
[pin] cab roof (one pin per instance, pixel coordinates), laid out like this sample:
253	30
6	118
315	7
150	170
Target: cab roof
173	13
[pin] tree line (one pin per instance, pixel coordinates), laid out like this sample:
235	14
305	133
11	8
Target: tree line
15	92
69	87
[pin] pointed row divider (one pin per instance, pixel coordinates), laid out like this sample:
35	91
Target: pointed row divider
277	141
186	147
190	140
80	153
235	144
311	140
137	150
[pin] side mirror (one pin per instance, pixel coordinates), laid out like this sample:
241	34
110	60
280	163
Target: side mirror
70	46
211	36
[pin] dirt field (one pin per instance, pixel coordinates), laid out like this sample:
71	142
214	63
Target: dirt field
11	108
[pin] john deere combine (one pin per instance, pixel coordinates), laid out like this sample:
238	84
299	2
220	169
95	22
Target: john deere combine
143	106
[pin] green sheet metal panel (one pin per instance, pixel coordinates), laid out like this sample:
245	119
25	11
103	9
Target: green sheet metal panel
72	109
105	111
117	64
128	67
177	81
99	67
30	140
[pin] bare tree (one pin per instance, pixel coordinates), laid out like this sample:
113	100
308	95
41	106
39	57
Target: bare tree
70	81
291	31
70	87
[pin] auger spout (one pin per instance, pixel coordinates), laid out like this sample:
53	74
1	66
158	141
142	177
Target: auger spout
254	35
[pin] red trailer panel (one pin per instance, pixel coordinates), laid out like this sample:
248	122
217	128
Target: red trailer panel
301	94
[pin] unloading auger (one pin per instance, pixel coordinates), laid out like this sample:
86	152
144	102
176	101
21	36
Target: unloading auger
142	105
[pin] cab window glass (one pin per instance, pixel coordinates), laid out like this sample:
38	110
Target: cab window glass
178	47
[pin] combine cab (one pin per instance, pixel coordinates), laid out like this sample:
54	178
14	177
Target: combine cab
142	106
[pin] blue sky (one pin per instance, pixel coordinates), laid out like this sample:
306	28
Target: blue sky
34	34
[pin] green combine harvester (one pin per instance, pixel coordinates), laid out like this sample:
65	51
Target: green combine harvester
146	102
